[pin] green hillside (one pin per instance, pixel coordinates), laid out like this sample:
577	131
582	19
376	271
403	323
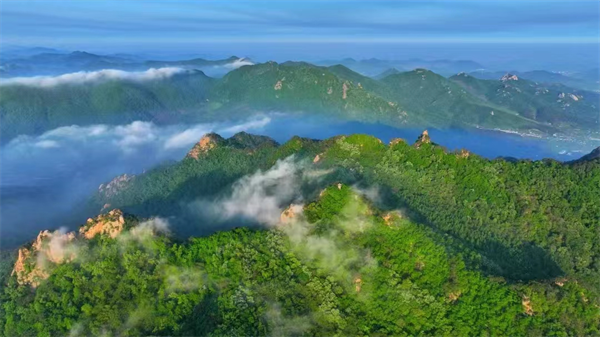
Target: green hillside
553	104
299	86
446	103
415	98
29	110
452	244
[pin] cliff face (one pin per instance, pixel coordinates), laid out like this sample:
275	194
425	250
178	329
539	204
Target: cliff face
110	224
115	186
48	248
206	143
423	139
35	262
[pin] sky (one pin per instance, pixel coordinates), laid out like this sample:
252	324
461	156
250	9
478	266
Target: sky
127	25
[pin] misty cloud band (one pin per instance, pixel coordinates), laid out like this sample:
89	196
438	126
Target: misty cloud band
84	77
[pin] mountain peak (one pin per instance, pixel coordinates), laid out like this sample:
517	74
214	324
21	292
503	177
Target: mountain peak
206	143
423	139
509	77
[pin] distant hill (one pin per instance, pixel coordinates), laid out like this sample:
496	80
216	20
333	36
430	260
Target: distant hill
582	81
414	98
554	104
391	71
374	67
30	109
55	63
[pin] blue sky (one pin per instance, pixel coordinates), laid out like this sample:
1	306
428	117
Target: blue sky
481	30
77	22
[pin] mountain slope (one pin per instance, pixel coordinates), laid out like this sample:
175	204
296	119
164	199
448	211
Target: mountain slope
556	105
418	98
445	103
299	86
450	244
543	76
32	109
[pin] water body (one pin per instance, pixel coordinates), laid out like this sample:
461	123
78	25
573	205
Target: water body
45	179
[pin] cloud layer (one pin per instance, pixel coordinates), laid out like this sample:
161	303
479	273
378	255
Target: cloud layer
44	178
84	77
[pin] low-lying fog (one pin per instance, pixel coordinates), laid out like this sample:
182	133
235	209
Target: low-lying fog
44	178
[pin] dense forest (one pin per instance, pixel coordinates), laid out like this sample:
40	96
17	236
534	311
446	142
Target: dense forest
367	239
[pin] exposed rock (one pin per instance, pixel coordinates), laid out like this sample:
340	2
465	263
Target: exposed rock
317	158
290	213
329	90
32	266
389	217
509	77
278	85
574	97
339	186
527	307
116	185
110	224
560	282
357	284
423	139
397	141
453	296
206	143
344	91
464	153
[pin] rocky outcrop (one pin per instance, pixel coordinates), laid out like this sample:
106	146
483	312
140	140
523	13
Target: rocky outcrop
33	263
509	77
290	213
527	307
397	141
464	153
390	217
423	139
110	224
116	185
206	143
344	91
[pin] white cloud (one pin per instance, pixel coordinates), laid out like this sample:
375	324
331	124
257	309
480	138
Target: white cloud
187	137
238	63
46	144
83	77
262	196
252	124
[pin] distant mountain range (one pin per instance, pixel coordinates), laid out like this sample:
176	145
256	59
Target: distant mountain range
374	67
415	98
56	63
589	80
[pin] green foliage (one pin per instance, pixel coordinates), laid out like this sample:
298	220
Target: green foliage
397	277
415	98
553	104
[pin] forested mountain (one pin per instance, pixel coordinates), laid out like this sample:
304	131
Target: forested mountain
582	81
367	239
55	63
415	98
540	102
28	109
